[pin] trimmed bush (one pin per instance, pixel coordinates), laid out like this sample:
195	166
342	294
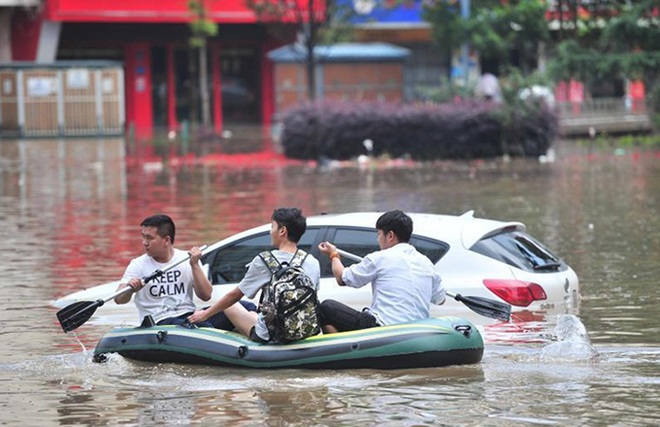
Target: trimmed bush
463	130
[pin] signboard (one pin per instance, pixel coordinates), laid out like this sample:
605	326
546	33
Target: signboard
77	78
40	86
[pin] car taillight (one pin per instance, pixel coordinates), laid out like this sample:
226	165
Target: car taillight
516	292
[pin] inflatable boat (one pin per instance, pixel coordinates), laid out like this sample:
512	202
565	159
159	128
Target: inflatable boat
430	342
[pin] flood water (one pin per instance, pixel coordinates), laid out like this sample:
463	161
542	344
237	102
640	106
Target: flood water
69	215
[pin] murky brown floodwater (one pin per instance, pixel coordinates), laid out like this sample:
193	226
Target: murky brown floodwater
69	211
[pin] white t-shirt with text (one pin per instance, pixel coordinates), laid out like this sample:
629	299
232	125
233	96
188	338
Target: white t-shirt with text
169	295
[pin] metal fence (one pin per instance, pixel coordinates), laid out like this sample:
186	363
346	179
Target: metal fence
603	115
600	106
62	99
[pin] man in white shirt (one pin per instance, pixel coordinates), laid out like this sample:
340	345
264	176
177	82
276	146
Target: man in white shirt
168	299
403	281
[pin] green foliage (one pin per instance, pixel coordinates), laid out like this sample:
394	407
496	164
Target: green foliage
315	22
493	28
653	105
201	27
445	92
635	26
518	25
621	39
337	27
447	27
514	81
625	141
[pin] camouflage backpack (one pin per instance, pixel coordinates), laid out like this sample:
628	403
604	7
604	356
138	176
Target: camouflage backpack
288	302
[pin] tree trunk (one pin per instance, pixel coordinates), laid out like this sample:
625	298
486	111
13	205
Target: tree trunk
310	43
193	90
204	87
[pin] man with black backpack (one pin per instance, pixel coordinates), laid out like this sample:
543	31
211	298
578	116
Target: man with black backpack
289	279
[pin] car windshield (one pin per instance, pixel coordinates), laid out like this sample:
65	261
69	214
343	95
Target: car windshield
520	250
229	264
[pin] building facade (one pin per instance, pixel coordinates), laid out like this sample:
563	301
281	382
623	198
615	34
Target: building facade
151	39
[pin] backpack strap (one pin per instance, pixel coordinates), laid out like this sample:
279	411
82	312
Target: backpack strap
271	262
298	258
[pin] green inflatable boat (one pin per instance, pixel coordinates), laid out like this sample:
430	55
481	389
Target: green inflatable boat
430	342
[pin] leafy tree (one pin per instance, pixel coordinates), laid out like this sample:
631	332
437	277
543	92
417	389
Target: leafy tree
202	28
447	27
496	29
316	21
613	39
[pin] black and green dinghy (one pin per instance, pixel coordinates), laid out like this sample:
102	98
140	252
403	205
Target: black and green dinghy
430	342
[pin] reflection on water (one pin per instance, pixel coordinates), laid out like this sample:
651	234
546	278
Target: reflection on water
70	209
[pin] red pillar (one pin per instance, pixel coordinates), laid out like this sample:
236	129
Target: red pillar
172	123
26	30
139	107
217	88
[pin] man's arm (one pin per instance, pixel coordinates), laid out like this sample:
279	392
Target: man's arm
134	282
337	270
229	299
438	292
330	250
201	285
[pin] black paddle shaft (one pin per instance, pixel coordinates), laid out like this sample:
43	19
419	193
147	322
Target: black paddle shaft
483	306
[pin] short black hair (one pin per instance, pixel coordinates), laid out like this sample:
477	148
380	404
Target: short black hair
397	222
294	221
163	223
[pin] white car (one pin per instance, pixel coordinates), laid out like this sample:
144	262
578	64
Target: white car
475	257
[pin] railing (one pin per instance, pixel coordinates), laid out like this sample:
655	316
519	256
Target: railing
600	106
603	115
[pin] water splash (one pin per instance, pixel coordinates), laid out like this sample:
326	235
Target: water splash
84	349
572	341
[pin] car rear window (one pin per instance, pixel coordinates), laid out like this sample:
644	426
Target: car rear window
361	242
520	250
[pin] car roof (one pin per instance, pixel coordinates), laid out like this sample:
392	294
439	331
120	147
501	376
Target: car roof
462	229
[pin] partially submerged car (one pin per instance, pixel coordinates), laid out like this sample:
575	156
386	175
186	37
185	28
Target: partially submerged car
475	257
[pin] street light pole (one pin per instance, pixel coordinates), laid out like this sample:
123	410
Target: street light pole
465	14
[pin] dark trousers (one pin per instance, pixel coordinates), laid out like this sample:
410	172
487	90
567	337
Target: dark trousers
344	318
217	321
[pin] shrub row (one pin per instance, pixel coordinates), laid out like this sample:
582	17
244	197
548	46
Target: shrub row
462	130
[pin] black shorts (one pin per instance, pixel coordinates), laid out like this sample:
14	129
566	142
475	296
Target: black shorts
344	318
254	337
221	321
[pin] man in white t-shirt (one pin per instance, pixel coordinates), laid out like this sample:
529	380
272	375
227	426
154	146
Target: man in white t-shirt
168	299
287	227
403	281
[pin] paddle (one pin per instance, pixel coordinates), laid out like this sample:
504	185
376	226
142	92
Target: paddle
75	315
484	306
